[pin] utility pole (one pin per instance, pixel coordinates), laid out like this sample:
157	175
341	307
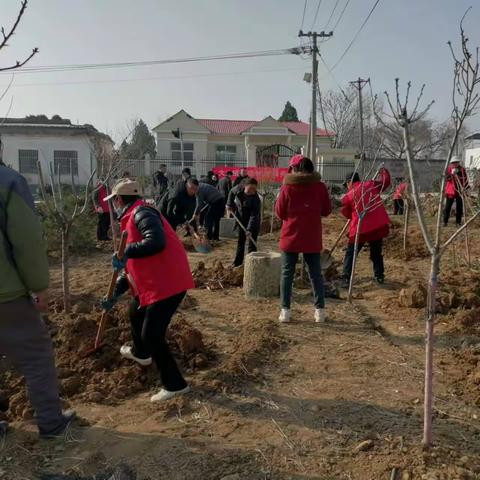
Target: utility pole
359	84
313	121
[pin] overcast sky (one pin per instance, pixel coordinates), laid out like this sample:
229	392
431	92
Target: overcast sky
405	39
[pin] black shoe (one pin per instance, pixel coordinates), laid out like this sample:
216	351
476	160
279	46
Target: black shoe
68	416
3	429
345	282
380	280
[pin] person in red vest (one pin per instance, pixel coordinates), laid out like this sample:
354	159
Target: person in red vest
457	183
363	200
157	271
399	197
103	211
301	204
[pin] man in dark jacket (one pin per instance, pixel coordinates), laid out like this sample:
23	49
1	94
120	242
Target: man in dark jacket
157	272
244	203
210	199
24	281
186	174
225	185
160	182
178	206
241	176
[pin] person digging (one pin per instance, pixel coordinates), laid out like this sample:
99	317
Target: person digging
364	199
245	204
155	267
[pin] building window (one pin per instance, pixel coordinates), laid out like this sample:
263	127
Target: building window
65	162
225	153
176	150
27	161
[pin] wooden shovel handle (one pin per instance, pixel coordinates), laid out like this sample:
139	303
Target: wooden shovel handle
111	288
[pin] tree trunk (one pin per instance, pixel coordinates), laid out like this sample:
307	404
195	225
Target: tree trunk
429	345
405	226
65	272
262	275
355	256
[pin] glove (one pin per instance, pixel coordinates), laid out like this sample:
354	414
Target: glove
108	303
117	263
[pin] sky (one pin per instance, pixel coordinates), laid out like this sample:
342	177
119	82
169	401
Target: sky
405	39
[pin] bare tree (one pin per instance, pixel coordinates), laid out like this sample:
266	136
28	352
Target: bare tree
465	99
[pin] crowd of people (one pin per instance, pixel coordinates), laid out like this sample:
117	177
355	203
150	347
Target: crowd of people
155	267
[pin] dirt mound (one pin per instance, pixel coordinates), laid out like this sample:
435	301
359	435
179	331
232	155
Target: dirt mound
413	297
217	276
415	243
104	377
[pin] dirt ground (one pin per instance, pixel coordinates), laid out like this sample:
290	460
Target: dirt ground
341	400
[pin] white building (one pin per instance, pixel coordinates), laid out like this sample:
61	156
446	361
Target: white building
185	141
56	143
472	152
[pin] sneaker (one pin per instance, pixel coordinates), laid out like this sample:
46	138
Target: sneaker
320	316
68	416
284	316
380	280
126	352
164	395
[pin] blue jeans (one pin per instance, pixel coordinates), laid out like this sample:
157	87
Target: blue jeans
289	262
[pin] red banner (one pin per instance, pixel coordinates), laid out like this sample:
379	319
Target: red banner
262	174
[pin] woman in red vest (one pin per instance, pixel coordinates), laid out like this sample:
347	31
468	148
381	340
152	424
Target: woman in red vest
157	271
457	184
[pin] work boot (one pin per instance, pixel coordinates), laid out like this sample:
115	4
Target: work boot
164	395
126	352
68	416
284	316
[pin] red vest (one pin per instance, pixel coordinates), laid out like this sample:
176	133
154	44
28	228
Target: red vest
457	181
161	275
102	193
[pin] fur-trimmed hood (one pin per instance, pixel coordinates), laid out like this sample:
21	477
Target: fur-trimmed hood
301	178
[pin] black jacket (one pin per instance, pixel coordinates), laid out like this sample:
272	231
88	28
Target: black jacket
224	186
177	206
150	226
247	208
238	180
160	181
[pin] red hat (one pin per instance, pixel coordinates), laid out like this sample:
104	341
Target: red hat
295	160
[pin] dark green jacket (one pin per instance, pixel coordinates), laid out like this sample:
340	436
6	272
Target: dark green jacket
23	257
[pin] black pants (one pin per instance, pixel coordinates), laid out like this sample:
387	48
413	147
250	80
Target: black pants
398	206
375	256
103	225
242	240
212	219
149	327
458	209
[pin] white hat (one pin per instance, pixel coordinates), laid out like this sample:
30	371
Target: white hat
125	187
455	159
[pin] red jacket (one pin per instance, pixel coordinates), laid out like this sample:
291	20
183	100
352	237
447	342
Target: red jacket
301	204
365	196
399	191
161	275
457	180
100	194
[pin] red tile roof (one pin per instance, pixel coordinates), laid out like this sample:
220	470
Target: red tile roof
237	127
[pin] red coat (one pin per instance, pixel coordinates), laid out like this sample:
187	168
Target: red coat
302	202
365	196
161	275
100	195
399	191
457	180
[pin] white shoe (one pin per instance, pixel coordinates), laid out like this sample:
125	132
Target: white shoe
320	316
164	395
126	352
284	316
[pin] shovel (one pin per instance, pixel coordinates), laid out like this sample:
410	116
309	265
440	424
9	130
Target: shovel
103	319
247	233
201	245
326	255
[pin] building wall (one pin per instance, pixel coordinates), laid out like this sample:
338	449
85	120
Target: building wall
472	157
46	145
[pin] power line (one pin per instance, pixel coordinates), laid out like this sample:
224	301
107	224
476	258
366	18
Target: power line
303	16
316	14
357	34
331	14
334	78
96	66
341	15
170	77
